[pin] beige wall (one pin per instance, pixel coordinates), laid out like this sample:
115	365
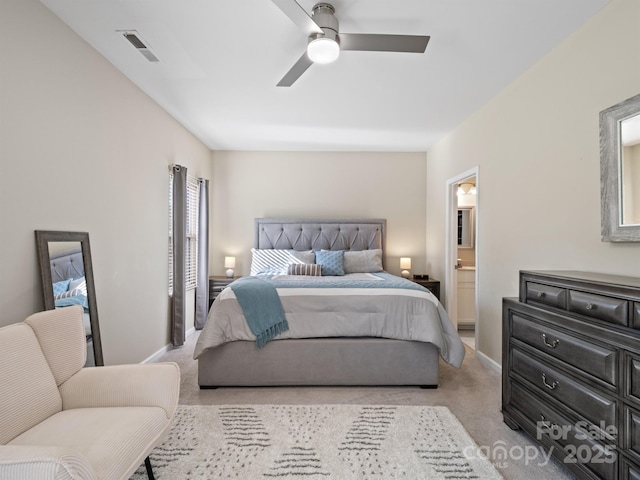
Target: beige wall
537	148
248	185
83	149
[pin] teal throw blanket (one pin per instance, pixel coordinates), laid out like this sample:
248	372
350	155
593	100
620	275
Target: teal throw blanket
261	307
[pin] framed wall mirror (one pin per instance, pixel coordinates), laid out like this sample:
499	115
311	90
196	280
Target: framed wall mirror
66	273
465	227
620	171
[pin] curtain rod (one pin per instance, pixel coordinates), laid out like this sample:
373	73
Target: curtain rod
191	177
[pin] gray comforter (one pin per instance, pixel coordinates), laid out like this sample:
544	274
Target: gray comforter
334	307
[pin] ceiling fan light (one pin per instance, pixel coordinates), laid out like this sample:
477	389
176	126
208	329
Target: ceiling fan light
323	50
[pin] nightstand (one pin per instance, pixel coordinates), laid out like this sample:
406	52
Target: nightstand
431	284
217	284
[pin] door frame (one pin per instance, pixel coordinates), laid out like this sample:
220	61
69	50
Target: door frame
451	244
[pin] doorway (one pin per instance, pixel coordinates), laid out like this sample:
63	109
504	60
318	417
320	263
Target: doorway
461	265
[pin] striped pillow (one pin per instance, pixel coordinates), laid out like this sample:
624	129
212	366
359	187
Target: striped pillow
305	269
276	262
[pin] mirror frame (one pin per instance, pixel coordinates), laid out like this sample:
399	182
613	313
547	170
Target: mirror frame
612	229
43	237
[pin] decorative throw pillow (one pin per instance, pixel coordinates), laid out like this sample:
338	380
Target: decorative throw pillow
273	261
364	261
332	262
61	286
305	269
79	284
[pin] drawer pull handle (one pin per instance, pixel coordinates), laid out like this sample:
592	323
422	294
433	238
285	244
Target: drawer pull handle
544	423
550	386
589	306
553	344
540	294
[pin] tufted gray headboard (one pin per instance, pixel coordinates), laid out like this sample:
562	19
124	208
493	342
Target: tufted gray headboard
67	265
320	234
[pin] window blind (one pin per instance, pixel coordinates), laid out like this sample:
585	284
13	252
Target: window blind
191	270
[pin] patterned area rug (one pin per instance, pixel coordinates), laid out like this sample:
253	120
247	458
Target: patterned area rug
317	441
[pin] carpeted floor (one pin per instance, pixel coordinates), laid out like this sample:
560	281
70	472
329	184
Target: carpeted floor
340	442
472	393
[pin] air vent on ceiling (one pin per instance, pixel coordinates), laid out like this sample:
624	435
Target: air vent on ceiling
134	38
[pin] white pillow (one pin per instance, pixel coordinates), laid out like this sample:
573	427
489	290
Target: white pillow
79	284
276	262
363	261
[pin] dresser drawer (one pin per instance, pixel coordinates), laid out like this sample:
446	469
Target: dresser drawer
590	403
636	315
216	289
632	380
610	309
632	431
629	472
579	445
546	294
598	361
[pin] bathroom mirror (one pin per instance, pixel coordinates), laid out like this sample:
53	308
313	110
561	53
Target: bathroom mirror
620	171
66	273
466	229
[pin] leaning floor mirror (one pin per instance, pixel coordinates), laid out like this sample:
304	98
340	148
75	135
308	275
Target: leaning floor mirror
66	272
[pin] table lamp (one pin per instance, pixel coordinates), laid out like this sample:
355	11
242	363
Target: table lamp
229	264
405	265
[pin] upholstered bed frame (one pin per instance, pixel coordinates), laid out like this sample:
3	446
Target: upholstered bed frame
67	265
320	361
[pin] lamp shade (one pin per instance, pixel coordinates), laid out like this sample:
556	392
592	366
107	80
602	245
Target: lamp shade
405	263
229	262
466	188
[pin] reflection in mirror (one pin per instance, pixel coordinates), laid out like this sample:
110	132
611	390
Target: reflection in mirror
620	171
67	279
465	227
630	168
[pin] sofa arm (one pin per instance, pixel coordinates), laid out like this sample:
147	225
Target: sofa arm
138	385
19	462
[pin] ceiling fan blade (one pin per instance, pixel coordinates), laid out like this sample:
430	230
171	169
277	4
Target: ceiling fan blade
296	71
297	14
372	42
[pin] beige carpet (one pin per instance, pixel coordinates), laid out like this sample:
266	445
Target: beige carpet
339	442
472	393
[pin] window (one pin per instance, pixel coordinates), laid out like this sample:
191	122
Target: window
191	268
191	242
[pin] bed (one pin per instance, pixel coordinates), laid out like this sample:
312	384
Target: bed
70	288
343	330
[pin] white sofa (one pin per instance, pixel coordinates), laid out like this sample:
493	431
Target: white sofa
59	420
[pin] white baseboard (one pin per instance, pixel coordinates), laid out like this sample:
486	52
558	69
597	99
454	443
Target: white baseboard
488	362
156	356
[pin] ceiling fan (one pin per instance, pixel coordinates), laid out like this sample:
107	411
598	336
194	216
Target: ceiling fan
325	40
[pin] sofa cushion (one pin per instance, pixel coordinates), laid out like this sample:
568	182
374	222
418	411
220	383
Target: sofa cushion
18	462
29	391
114	440
62	339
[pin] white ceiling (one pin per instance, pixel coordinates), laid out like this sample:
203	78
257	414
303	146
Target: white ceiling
220	61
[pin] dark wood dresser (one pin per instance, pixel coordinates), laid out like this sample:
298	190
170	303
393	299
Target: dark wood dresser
571	369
